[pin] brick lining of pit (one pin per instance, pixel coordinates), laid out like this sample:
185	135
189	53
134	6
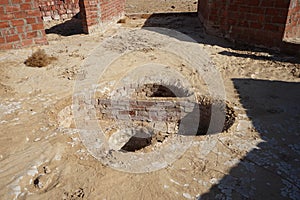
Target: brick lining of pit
161	112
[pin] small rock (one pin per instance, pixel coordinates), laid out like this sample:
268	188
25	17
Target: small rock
187	195
46	170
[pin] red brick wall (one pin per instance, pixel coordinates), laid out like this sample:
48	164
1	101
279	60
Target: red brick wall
58	9
292	29
258	22
97	12
20	24
21	21
111	9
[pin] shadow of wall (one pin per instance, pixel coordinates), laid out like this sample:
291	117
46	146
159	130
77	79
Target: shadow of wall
189	24
272	170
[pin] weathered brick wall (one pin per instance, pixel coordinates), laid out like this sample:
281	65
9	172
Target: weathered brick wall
98	12
292	29
260	22
20	24
168	110
58	9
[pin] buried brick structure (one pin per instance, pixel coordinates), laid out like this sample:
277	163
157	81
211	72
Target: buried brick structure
268	23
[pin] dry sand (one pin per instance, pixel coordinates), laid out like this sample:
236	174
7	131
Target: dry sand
42	157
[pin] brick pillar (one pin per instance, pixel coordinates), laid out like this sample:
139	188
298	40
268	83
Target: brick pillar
20	24
292	28
98	13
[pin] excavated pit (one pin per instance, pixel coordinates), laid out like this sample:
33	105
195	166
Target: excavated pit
162	110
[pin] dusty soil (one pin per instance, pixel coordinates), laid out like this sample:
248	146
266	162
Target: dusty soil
42	156
160	6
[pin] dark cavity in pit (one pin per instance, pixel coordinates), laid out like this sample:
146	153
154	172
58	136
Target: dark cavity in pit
157	90
205	121
136	143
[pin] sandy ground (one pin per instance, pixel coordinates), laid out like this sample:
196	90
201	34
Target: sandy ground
42	156
158	6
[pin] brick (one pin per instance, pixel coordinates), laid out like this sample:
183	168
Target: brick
258	10
17	22
254	2
33	12
48	13
6	17
21	14
62	11
8	31
280	20
252	17
256	25
4	2
243	23
31	35
28	27
4	24
267	3
2	40
6	46
276	11
20	29
12	38
26	6
41	41
31	20
12	8
271	27
37	26
27	42
16	1
282	3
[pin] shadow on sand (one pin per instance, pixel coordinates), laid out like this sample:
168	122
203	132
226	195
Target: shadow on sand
272	170
188	23
68	28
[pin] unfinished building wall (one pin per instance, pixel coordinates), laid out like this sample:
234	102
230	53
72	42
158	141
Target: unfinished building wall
21	21
20	24
258	22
